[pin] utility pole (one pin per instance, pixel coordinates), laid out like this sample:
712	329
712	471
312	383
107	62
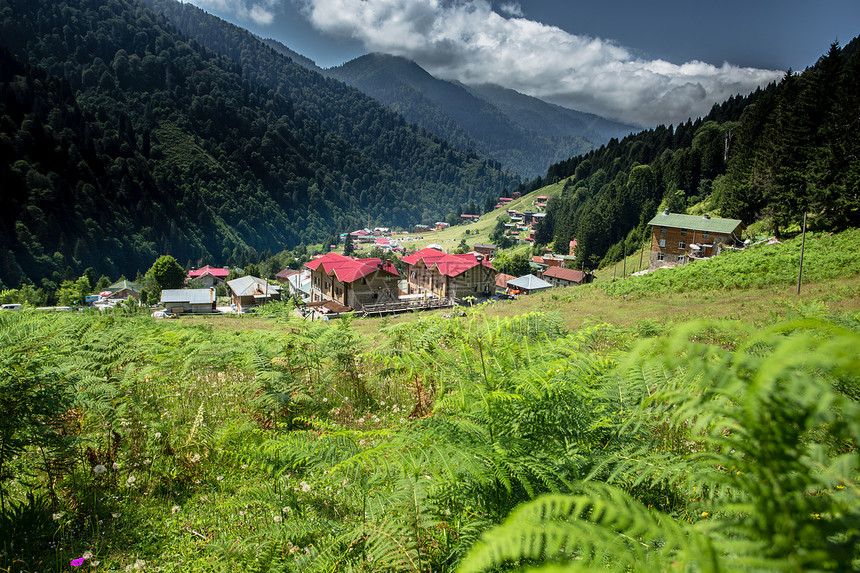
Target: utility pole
624	274
802	246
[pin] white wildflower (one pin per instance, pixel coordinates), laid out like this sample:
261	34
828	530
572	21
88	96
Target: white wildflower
278	518
115	465
219	478
130	481
195	458
58	516
174	509
305	486
99	469
157	435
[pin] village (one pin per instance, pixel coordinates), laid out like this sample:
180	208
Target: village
427	276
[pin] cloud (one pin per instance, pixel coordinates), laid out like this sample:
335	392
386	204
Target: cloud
469	41
259	11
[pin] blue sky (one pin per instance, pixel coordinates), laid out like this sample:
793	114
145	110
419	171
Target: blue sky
645	63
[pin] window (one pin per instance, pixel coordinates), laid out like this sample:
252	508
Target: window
662	243
662	229
683	231
682	245
705	234
660	256
680	258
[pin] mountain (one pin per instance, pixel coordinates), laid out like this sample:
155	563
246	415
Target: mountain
773	157
522	133
126	133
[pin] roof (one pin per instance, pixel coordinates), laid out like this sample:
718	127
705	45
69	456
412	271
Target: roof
484	246
188	295
125	285
347	270
327	306
695	222
446	263
564	274
251	286
502	279
216	272
286	274
529	282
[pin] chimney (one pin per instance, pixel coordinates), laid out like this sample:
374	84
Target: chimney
707	215
665	211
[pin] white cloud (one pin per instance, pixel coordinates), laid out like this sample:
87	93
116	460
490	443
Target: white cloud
469	41
259	11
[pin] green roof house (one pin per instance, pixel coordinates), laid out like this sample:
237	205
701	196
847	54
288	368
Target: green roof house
677	238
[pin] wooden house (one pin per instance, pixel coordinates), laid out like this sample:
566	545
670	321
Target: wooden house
209	276
561	277
189	300
248	291
446	275
353	282
677	238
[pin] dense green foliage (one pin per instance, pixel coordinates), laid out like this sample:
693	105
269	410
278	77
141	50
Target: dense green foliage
122	139
708	446
776	154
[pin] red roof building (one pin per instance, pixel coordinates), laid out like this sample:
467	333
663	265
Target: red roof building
445	275
353	282
209	276
560	277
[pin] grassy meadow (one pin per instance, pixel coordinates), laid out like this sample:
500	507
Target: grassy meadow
702	418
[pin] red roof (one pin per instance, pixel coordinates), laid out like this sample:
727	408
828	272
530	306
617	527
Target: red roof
347	269
446	264
564	274
573	245
216	272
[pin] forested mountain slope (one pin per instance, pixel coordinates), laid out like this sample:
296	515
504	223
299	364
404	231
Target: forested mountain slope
123	139
789	149
522	133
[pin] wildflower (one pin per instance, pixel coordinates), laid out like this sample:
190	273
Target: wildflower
287	509
58	516
174	509
705	514
305	486
139	564
219	478
95	563
115	515
99	469
115	465
278	518
195	458
130	481
157	435
244	466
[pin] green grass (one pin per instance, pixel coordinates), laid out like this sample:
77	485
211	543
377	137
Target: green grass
273	444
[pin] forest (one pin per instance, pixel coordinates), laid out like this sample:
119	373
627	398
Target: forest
123	138
496	438
787	149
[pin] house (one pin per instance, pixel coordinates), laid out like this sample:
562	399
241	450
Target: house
505	200
353	282
248	291
189	300
541	200
465	218
528	284
561	277
423	228
678	238
549	260
485	249
284	276
446	275
502	282
572	247
209	276
125	289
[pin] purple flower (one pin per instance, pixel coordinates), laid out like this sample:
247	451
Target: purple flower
77	562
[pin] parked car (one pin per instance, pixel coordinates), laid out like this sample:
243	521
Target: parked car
163	314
